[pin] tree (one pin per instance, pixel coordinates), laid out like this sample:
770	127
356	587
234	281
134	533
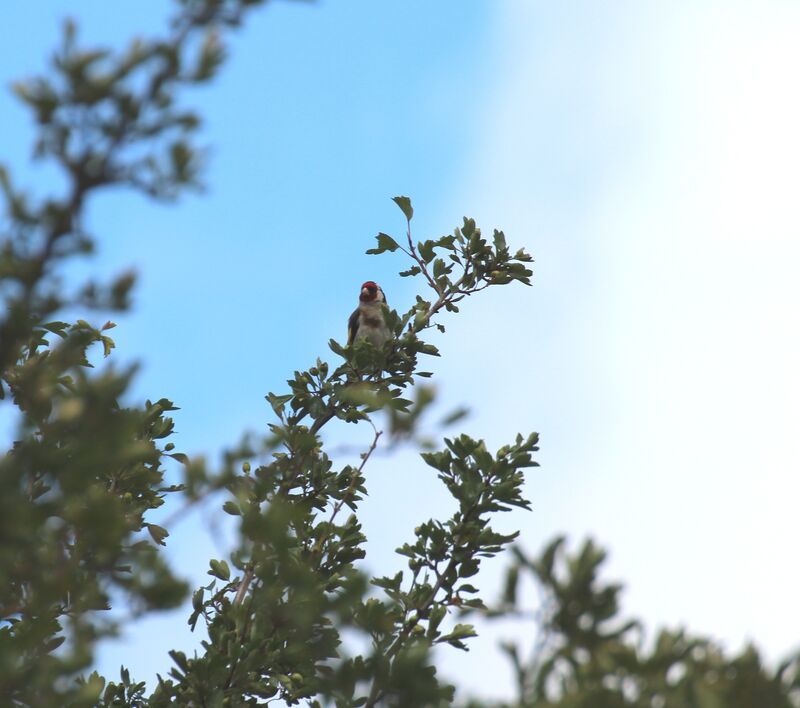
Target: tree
86	469
78	486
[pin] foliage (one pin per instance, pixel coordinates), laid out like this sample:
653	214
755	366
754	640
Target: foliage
586	655
86	471
79	485
275	627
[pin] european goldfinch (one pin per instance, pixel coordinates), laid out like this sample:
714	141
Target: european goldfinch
367	320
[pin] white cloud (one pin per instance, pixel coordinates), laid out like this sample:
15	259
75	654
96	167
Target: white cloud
648	156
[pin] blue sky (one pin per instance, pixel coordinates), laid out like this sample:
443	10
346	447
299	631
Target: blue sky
644	153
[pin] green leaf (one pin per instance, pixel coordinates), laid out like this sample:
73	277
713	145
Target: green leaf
232	508
56	328
426	250
440	268
460	631
197	599
385	243
181	155
53	644
277	403
388	583
468	568
435	618
158	533
454	416
108	345
336	348
405	206
180	659
219	569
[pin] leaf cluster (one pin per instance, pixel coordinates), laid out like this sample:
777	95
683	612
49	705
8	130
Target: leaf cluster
105	118
276	608
75	492
85	472
585	653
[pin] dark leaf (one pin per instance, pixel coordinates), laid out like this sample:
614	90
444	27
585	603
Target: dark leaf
158	533
405	206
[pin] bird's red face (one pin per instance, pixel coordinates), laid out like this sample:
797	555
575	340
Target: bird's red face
370	291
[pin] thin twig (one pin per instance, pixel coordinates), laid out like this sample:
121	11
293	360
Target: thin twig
353	481
396	645
237	601
351	488
319	422
244	585
375	691
423	266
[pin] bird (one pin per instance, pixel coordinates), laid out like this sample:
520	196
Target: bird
367	321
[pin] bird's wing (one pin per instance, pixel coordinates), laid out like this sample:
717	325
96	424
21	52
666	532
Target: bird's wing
352	327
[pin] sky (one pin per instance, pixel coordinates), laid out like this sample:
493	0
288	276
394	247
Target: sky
645	153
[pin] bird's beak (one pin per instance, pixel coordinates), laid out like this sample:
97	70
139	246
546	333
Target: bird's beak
364	291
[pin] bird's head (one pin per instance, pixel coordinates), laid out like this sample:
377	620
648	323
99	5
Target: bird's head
371	292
